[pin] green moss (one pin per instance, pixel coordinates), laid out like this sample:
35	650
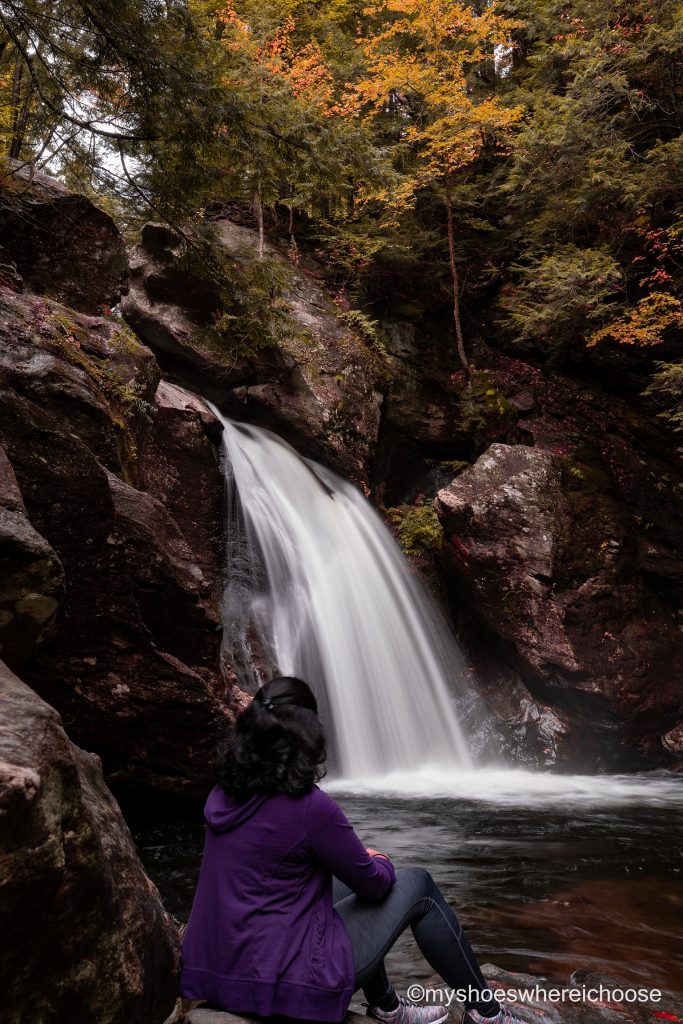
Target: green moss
123	396
123	339
595	517
110	378
511	601
418	528
454	466
409	309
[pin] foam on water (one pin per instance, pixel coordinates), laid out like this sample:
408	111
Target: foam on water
517	787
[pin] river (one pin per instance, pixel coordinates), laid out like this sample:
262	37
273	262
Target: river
586	876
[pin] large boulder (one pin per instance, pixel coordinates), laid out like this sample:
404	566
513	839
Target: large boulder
134	665
318	383
58	242
545	551
84	933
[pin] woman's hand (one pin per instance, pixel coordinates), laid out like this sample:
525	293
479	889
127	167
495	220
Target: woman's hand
376	853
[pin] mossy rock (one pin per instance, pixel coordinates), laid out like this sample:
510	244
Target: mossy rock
417	527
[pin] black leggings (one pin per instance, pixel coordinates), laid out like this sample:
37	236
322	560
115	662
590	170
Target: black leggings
415	900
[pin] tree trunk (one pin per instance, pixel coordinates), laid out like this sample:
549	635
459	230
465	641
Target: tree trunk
455	278
21	123
258	213
15	140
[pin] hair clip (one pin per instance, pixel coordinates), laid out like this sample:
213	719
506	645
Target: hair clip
267	703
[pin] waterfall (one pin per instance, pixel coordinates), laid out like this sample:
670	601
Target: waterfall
316	582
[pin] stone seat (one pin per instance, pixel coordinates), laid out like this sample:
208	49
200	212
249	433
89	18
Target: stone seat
204	1015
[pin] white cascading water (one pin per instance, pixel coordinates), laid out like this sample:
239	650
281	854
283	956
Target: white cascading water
316	575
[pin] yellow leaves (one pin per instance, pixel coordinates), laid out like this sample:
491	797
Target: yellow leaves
440	24
645	324
420	59
6	108
348	105
415	67
237	36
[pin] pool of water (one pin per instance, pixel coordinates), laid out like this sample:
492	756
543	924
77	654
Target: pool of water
547	875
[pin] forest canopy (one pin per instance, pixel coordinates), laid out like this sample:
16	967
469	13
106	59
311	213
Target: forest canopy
518	163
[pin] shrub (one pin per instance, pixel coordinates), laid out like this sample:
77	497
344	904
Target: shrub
561	296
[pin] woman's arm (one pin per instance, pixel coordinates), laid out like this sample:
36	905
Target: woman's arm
331	840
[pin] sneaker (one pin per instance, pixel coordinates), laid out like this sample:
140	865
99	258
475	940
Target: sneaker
408	1012
504	1016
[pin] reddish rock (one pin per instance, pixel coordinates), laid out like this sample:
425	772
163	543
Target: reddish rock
317	385
673	740
137	641
61	244
544	551
180	467
85	934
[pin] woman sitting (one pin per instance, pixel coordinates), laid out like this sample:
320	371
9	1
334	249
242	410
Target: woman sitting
292	914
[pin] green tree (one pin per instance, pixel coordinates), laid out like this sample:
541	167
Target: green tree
594	184
559	296
300	149
420	66
98	93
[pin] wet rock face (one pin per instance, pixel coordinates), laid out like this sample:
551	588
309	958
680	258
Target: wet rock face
419	421
136	638
58	243
85	934
31	575
545	550
318	387
179	466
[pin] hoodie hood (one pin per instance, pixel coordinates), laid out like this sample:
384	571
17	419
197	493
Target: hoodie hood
223	813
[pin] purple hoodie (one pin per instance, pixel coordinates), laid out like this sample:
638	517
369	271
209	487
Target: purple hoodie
263	936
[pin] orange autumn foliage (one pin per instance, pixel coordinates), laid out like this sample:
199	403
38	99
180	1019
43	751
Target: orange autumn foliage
301	71
645	324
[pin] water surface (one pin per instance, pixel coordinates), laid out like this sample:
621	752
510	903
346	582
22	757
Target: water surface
547	875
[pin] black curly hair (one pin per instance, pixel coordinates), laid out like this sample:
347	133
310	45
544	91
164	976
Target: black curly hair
276	745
